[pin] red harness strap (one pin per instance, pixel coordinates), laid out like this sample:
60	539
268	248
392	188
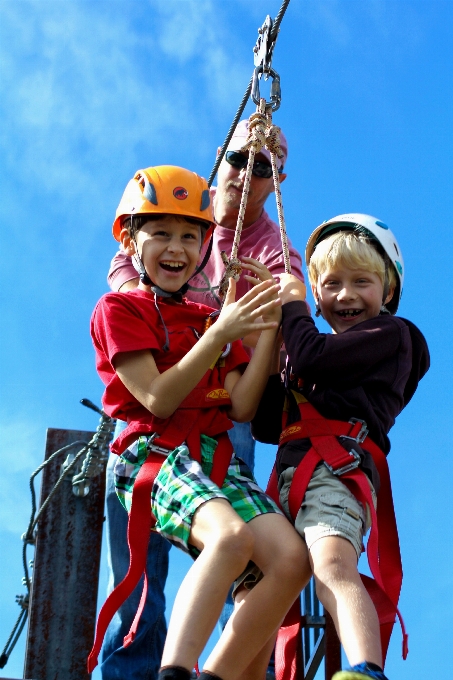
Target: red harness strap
383	545
140	523
186	425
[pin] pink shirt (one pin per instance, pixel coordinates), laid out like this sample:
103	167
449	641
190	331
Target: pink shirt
261	240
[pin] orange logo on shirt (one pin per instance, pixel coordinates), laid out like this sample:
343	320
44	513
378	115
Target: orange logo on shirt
218	394
290	430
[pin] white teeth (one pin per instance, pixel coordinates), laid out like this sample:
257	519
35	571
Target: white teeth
174	264
350	312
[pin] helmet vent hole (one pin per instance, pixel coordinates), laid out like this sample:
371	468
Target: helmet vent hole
140	179
205	199
394	245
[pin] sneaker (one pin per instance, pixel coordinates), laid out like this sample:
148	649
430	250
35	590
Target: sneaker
358	672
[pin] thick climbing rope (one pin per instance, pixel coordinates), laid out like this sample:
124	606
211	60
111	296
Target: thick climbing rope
273	145
262	133
255	142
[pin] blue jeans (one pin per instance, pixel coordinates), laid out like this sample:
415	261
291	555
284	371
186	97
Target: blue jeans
141	660
244	446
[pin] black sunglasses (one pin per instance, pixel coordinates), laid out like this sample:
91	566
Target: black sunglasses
239	160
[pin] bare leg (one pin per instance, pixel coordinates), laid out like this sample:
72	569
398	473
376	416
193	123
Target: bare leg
226	544
341	591
283	558
258	668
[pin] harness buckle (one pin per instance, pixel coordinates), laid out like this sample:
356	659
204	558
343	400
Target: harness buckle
346	468
155	448
363	432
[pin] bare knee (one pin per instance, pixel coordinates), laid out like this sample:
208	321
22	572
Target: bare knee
331	572
235	543
218	530
290	564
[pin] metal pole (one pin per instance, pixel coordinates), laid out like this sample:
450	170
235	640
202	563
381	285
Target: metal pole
332	648
65	573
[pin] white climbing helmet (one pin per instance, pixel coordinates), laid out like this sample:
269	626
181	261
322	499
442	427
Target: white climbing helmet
378	230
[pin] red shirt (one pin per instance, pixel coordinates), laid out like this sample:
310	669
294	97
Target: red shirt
125	322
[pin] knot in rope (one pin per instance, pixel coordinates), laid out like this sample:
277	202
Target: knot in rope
257	132
273	140
233	270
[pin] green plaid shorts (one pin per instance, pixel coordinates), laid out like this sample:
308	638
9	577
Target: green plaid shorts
182	485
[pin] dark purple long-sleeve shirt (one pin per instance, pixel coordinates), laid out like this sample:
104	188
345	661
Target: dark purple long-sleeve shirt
369	372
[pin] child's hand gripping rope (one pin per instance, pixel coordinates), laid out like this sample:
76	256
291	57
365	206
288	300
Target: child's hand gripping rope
261	273
292	288
257	313
258	310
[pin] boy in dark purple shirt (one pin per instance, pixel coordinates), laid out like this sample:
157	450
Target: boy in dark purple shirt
367	369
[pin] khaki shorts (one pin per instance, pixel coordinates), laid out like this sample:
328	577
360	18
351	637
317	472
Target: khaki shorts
328	508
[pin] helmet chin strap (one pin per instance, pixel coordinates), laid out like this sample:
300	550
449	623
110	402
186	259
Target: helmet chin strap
384	309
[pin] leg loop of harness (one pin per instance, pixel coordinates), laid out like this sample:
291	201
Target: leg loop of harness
141	521
382	549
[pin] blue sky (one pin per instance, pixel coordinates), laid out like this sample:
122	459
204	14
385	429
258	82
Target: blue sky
93	90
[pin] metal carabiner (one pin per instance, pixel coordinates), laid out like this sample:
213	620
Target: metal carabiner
276	95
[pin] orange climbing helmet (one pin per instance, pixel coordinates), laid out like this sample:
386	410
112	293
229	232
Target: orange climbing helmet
166	190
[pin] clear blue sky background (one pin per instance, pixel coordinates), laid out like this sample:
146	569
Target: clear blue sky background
93	90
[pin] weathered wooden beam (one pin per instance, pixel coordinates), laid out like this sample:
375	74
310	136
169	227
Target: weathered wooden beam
65	573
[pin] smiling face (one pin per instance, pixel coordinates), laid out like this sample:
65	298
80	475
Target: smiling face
347	296
169	248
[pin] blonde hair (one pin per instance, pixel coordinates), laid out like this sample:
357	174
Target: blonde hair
354	250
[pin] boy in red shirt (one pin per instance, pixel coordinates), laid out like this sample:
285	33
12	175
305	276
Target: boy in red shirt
178	379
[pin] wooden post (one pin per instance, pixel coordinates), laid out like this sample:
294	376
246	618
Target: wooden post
66	572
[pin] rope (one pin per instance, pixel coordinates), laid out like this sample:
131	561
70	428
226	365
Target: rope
233	270
273	145
262	133
255	141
